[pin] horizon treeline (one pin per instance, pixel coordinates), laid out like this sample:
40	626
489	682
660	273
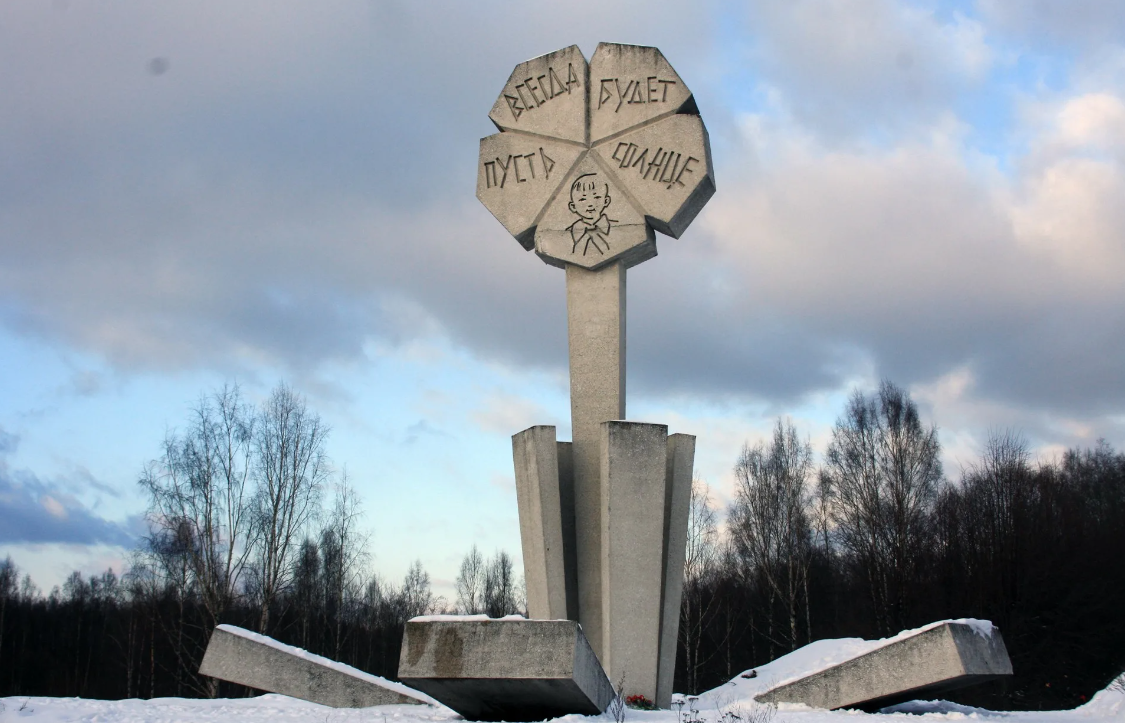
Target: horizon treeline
250	524
876	540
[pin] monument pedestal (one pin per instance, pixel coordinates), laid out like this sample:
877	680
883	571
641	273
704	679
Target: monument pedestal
643	491
509	670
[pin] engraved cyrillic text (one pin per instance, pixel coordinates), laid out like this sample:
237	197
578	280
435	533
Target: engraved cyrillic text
660	166
518	168
617	92
538	89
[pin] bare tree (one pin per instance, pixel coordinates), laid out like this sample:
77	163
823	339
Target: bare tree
344	552
700	563
199	501
997	497
416	597
470	583
769	522
881	477
306	589
500	596
200	519
292	466
9	590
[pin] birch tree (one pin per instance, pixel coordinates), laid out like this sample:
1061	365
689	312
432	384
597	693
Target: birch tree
292	467
881	478
770	524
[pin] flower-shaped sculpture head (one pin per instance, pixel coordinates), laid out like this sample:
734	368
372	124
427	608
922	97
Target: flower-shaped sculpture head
592	157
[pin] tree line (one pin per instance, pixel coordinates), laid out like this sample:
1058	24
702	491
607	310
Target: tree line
251	524
875	540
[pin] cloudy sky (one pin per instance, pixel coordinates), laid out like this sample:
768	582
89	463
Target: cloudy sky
194	193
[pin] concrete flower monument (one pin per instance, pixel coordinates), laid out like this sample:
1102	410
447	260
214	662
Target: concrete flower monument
591	160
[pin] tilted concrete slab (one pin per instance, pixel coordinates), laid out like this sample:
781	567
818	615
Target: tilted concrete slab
247	658
935	659
507	669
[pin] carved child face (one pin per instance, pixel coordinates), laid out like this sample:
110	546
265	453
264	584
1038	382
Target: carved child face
589	196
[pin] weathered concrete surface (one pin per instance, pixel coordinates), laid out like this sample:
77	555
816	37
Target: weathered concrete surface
595	305
655	534
677	500
243	657
633	469
626	125
665	169
631	85
591	223
512	670
947	656
518	175
552	592
546	96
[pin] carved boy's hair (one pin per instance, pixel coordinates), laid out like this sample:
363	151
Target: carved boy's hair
581	185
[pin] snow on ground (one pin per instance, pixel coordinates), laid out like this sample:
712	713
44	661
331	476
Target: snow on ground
262	709
1106	707
736	696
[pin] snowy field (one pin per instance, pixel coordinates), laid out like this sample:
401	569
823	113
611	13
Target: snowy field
1106	706
720	705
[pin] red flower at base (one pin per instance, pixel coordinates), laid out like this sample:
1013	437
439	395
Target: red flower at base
639	701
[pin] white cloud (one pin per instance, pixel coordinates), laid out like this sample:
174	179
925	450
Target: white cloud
507	414
857	67
300	198
1068	202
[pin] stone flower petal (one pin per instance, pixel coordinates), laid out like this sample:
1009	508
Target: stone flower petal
631	85
546	96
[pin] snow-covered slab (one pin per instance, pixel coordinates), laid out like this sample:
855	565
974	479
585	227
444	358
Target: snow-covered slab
509	669
938	657
247	658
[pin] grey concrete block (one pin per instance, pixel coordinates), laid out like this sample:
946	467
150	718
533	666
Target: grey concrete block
633	471
677	499
247	658
552	592
947	656
512	670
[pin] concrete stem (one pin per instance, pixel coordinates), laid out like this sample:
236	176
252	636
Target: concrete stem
595	303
